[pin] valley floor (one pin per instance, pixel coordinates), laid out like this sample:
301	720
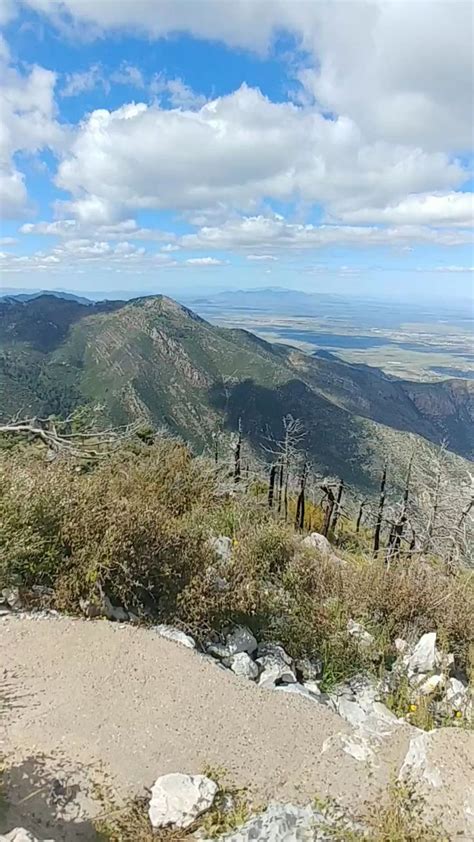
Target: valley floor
114	705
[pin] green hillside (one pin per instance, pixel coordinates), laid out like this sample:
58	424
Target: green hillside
154	359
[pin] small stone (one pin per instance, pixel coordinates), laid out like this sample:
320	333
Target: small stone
243	665
274	671
278	823
241	640
298	690
401	645
222	546
175	635
19	834
310	668
363	637
318	542
430	685
423	657
313	687
177	799
274	649
217	650
12	598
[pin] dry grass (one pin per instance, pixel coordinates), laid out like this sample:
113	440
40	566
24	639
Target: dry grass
138	527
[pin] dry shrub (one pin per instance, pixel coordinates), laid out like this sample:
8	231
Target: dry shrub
138	526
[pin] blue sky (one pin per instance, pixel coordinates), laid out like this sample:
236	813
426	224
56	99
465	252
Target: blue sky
195	145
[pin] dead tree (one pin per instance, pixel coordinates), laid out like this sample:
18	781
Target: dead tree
337	507
271	486
360	514
398	527
378	525
331	502
238	454
285	452
300	506
88	446
459	529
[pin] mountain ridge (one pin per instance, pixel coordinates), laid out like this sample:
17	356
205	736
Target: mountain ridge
154	358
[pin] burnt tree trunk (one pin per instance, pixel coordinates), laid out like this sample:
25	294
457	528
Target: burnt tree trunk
300	506
238	455
271	486
337	507
378	525
331	502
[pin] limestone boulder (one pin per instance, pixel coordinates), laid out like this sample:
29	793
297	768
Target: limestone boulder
177	799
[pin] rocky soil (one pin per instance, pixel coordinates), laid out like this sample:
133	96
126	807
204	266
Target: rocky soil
92	702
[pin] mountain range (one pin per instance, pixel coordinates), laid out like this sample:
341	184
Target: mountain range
155	359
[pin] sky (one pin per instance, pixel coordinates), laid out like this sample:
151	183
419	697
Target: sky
186	146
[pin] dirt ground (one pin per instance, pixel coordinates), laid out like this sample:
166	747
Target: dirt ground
86	703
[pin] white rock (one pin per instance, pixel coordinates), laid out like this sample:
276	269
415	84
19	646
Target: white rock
222	546
417	765
243	665
423	657
19	834
298	690
430	684
11	596
268	648
274	670
313	687
356	630
454	688
241	640
175	634
278	823
177	800
318	542
401	645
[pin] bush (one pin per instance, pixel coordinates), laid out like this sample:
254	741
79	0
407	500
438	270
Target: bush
137	527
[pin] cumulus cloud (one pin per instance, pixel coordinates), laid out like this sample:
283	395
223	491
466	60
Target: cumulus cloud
76	254
28	124
233	152
260	232
399	70
425	208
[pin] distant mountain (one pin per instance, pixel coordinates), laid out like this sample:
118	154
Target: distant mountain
268	299
155	359
29	296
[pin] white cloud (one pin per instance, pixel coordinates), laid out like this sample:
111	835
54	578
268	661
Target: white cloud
177	92
259	232
27	125
450	269
71	255
402	70
232	153
432	209
261	257
204	261
87	80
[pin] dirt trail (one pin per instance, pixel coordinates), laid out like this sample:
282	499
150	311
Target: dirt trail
93	699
